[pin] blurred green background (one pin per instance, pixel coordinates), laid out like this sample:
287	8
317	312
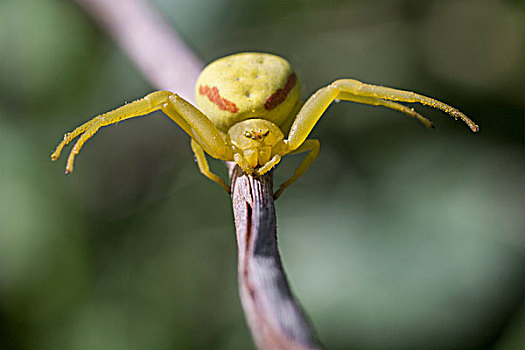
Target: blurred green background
397	237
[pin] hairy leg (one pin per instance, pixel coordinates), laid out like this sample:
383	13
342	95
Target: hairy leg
354	90
204	167
189	118
389	104
146	105
136	108
367	90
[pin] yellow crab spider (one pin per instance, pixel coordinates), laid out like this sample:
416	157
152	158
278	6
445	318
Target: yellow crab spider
247	103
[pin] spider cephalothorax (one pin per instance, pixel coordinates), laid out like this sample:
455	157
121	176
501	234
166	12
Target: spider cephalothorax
250	111
256	141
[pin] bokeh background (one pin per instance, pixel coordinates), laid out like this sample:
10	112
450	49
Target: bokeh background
397	237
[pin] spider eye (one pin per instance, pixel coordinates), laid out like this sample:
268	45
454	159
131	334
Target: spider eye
256	134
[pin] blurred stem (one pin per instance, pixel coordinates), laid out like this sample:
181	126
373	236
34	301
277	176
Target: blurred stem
150	42
274	317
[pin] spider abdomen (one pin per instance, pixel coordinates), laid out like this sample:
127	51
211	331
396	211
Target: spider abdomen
247	86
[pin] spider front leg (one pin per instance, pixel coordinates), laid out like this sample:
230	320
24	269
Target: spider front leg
189	118
360	89
345	96
148	104
353	90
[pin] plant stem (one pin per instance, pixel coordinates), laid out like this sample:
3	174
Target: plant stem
275	318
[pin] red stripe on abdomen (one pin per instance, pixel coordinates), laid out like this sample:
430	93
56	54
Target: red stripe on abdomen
279	96
214	96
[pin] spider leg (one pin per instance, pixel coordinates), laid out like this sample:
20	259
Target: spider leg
204	167
79	144
367	90
312	147
354	90
71	136
148	104
189	118
389	104
198	126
